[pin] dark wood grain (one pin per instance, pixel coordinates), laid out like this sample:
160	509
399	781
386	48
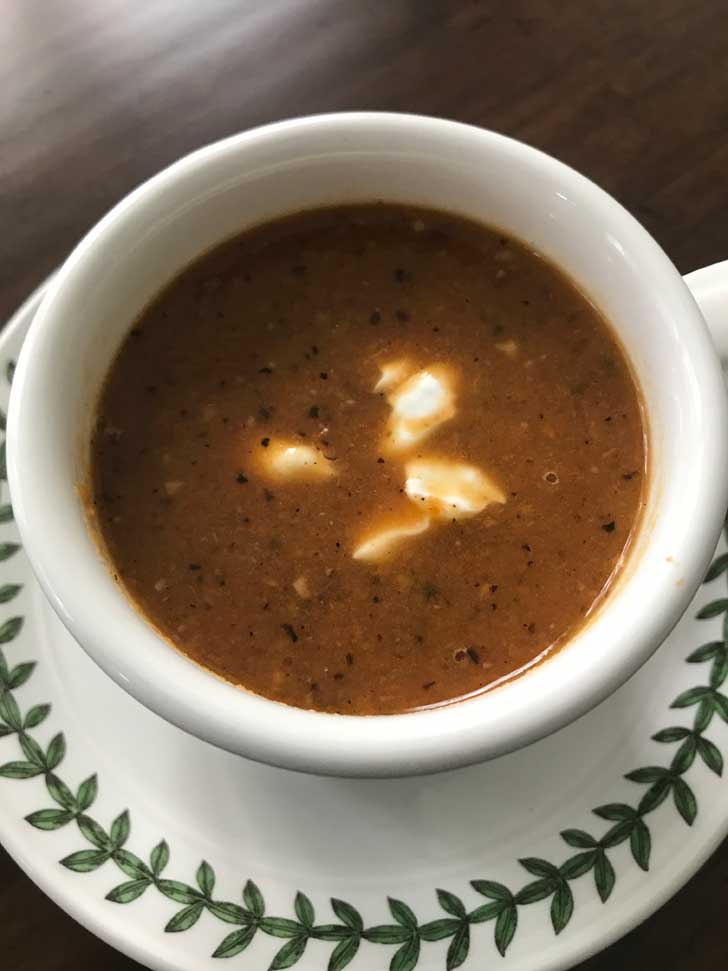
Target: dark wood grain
97	95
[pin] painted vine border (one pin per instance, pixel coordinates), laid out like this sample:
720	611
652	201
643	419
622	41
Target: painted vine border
405	933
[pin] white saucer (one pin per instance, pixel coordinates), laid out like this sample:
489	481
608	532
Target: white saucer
540	855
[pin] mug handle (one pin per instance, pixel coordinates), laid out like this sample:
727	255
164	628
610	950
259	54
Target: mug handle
709	287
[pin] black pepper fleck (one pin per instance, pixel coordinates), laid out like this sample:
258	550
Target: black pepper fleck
609	527
290	632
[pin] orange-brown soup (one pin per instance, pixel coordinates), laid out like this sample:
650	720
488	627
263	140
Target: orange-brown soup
368	459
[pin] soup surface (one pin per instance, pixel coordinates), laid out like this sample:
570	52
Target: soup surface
368	459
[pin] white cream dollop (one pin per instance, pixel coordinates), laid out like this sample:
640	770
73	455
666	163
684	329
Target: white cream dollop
291	459
449	490
379	541
420	404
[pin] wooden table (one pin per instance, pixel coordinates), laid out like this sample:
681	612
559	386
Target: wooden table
96	96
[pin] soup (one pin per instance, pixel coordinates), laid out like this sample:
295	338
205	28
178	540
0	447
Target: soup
368	460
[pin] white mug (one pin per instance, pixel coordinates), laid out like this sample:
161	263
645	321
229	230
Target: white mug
217	192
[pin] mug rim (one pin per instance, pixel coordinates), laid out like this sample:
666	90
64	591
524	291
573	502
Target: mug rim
496	721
